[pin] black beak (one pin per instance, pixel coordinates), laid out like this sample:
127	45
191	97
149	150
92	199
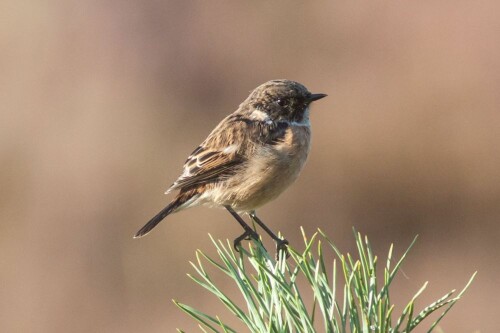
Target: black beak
315	97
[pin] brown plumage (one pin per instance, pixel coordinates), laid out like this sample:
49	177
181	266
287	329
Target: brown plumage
250	158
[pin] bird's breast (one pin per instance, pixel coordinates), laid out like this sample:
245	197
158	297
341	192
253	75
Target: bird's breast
271	169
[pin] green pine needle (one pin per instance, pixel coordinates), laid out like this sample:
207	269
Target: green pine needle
273	296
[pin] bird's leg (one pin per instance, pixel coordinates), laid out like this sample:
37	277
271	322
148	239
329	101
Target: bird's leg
249	232
281	244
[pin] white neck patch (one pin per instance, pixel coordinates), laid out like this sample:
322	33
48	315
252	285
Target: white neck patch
259	115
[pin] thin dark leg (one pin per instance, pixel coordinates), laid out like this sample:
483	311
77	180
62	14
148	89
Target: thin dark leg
249	232
281	244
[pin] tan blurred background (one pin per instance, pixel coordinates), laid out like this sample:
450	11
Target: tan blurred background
101	102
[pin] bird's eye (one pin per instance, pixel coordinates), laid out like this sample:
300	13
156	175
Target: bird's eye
281	102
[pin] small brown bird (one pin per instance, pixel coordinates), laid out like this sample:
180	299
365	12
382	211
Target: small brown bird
249	159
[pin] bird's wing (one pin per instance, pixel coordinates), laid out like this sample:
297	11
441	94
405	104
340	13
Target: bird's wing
215	159
206	166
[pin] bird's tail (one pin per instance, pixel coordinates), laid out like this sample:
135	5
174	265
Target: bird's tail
177	203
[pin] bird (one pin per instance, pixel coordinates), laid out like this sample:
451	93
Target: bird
249	158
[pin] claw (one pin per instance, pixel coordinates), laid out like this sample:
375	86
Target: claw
282	245
247	235
236	245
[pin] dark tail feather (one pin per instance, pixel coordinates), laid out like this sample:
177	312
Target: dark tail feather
171	207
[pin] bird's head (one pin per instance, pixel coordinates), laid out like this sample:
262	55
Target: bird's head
282	100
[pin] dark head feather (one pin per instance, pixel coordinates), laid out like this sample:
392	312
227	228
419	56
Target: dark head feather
281	100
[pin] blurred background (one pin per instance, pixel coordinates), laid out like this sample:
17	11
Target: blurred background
102	101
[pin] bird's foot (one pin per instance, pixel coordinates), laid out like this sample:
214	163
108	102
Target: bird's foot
247	235
282	246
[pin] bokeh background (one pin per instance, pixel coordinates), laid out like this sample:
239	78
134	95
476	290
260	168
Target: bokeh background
101	102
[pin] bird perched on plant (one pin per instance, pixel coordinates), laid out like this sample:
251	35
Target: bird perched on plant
249	159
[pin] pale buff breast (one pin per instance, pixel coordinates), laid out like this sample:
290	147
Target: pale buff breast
270	172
